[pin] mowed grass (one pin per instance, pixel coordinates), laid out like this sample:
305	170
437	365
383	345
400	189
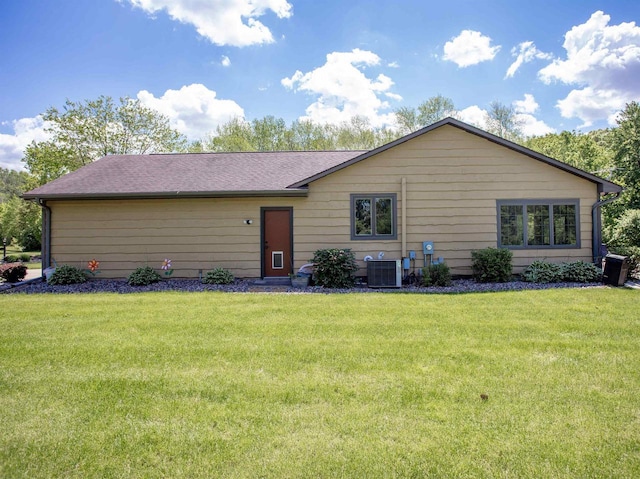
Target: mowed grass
314	386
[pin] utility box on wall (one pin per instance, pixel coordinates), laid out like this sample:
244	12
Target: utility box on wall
384	273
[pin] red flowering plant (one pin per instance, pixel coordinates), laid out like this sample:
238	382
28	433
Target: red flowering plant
92	267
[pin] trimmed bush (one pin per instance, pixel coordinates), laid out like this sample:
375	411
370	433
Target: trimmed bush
575	272
67	274
218	276
334	268
581	272
543	272
143	276
492	265
13	272
14	258
436	275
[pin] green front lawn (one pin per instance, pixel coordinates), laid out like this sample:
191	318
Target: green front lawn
362	385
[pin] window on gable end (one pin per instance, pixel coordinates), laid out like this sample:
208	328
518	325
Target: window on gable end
373	216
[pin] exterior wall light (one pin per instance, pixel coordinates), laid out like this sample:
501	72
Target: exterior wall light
248	222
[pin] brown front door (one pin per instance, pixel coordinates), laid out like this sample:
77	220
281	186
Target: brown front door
277	241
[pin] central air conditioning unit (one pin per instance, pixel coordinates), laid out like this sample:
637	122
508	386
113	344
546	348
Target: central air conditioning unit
385	273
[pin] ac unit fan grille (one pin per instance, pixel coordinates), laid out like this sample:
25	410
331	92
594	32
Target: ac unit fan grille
383	274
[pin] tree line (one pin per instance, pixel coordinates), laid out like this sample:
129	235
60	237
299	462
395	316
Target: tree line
82	132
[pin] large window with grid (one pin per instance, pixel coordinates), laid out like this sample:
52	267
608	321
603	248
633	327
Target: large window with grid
538	224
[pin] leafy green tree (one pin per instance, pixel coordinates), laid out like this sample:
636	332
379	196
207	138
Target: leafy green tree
584	151
428	112
626	231
435	109
85	131
6	223
12	183
626	147
356	135
47	161
235	135
502	121
407	120
270	134
310	136
196	146
21	221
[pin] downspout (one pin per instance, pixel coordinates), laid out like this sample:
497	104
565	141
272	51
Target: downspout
404	217
596	225
46	234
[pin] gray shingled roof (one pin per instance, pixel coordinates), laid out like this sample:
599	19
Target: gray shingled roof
194	174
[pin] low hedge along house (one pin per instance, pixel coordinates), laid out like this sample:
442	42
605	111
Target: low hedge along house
263	214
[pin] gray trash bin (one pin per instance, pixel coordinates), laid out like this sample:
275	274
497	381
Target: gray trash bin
616	268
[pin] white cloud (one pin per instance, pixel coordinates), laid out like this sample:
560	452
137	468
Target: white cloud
393	65
343	90
225	61
393	96
12	146
602	59
474	115
528	123
528	105
469	48
223	22
591	104
525	53
193	110
531	126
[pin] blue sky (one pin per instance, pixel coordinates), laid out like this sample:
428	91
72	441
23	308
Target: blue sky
562	64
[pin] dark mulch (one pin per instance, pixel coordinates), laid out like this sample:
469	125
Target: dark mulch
244	286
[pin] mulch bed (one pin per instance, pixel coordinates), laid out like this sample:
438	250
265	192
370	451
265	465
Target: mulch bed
249	286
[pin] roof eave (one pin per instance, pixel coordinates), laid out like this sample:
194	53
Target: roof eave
297	192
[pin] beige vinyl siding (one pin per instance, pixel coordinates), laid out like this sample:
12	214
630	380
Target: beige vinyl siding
453	180
196	234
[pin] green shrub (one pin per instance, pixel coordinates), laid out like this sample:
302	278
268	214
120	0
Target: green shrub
575	272
14	258
67	274
218	276
334	268
30	241
543	272
436	275
143	276
580	272
492	265
13	272
626	231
